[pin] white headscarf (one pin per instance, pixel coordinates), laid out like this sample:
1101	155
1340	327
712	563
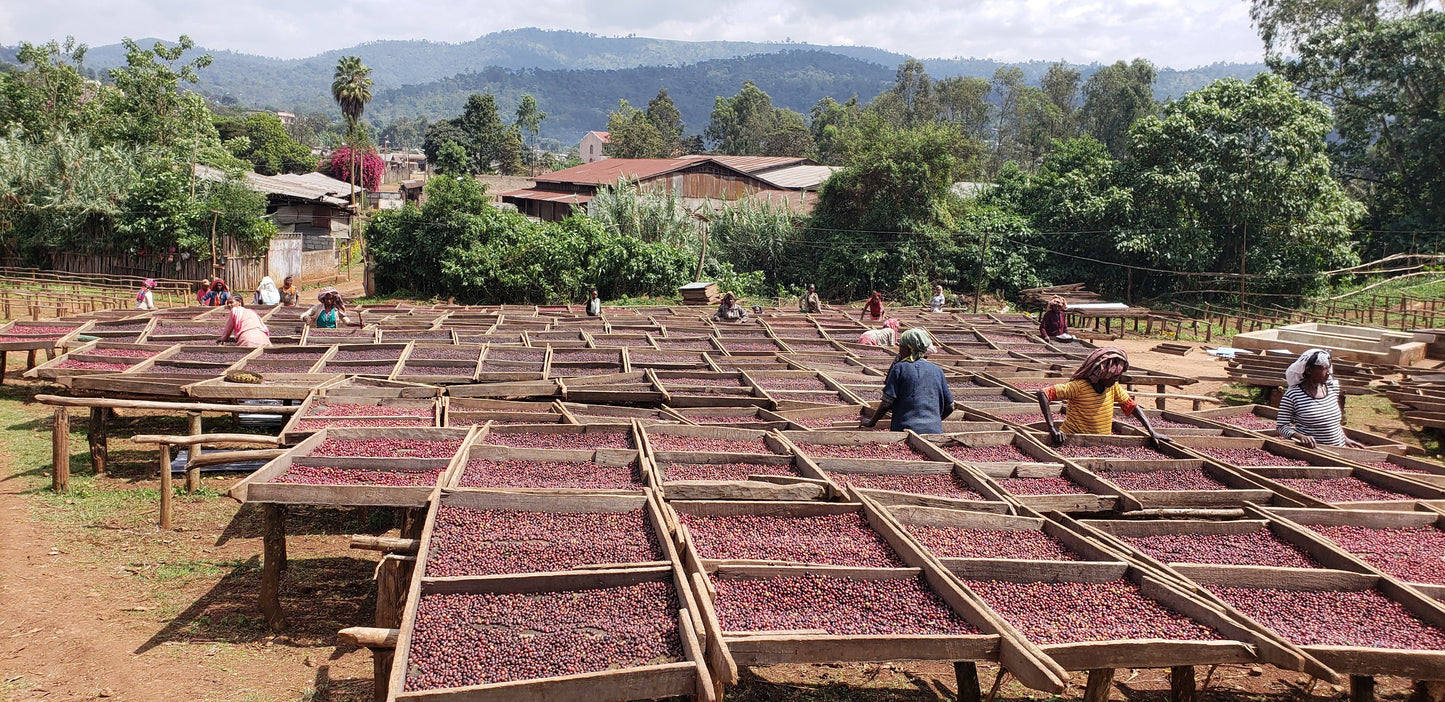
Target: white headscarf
268	292
1295	374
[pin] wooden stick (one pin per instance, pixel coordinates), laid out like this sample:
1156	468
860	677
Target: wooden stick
213	439
997	683
1101	683
193	472
368	637
269	597
388	544
1181	683
219	458
60	451
88	402
165	461
99	441
965	674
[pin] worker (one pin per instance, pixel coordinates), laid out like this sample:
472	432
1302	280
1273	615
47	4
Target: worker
873	307
1312	407
145	299
266	292
244	326
329	311
290	294
729	310
594	304
937	302
1054	324
218	295
915	390
1092	394
811	303
203	290
885	336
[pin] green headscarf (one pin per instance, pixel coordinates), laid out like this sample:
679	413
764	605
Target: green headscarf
915	342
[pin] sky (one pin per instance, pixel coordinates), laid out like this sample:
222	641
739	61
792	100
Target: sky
1172	33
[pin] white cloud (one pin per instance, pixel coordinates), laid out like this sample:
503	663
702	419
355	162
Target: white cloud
1169	32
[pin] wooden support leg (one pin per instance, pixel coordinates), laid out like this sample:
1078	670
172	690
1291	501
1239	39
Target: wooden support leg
1428	690
1159	401
393	579
966	675
272	566
99	442
193	473
1181	683
1362	688
3	363
60	451
381	671
30	359
1101	683
165	461
413	523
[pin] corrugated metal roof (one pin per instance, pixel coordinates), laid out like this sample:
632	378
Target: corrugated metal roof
754	165
311	186
609	170
546	196
797	177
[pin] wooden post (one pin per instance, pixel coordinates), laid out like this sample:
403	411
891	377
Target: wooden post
1159	401
30	359
165	461
274	562
4	362
1181	683
60	451
966	675
1362	688
99	442
1101	683
381	659
193	472
393	579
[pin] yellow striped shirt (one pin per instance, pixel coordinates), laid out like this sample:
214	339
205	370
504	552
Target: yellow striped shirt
1090	412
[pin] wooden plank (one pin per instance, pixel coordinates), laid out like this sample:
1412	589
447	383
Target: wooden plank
648	682
781	650
1147	653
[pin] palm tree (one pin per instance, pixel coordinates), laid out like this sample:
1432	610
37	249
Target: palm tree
351	89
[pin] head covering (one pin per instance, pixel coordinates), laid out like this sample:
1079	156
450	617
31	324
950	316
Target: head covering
220	285
289	284
915	342
891	324
322	293
1057	301
148	283
1295	374
267	291
1105	363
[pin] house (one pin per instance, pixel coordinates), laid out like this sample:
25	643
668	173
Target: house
592	146
312	212
287	118
701	181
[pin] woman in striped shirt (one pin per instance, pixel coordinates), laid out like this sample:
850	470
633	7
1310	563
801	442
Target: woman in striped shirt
1092	394
1312	407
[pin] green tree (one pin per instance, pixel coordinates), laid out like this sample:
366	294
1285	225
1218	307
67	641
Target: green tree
1384	83
664	116
1061	86
787	135
50	93
150	109
351	88
529	122
1239	167
493	146
1115	98
740	124
832	125
404	133
962	100
914	95
451	159
270	150
1282	24
630	134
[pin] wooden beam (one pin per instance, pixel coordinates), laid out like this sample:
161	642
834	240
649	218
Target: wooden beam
60	451
274	562
165	462
368	637
99	441
365	542
177	440
88	402
1181	683
1101	683
965	673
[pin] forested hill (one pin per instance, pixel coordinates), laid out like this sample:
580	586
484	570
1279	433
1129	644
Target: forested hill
578	78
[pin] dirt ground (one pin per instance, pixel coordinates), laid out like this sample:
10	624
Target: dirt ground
97	603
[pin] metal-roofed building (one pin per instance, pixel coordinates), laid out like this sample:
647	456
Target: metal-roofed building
693	178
